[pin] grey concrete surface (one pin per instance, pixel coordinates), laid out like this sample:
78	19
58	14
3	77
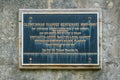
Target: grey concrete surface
9	40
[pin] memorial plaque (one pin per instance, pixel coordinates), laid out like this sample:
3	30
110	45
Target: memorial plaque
60	39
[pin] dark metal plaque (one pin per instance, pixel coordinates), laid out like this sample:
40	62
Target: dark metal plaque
60	39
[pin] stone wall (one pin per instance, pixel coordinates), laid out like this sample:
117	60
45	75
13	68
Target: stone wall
9	40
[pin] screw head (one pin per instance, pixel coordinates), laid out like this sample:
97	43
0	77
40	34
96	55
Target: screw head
30	59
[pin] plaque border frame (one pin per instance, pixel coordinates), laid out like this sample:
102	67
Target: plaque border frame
60	66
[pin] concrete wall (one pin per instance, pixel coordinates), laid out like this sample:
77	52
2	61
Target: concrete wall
9	40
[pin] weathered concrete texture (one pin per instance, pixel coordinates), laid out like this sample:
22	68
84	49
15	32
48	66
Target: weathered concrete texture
62	4
9	41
